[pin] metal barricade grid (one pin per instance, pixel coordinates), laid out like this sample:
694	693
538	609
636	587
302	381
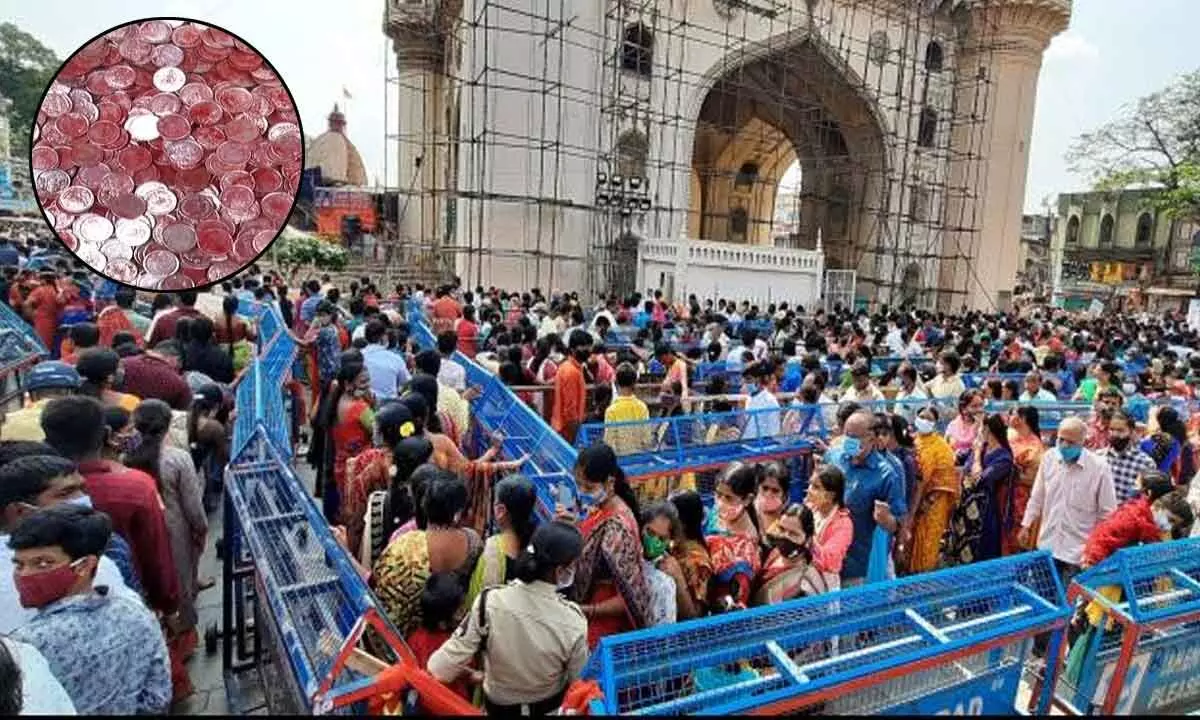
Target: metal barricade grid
752	659
1138	651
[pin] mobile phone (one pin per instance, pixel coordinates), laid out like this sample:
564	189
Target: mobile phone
565	498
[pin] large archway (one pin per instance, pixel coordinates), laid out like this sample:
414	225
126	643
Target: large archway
758	119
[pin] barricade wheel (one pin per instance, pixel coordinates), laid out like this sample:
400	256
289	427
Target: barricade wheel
210	639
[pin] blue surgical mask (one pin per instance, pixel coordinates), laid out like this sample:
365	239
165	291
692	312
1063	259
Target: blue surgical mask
588	501
83	501
1070	453
852	446
924	426
751	388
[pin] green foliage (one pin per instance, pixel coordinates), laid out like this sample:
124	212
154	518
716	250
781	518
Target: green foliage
1155	143
293	250
26	67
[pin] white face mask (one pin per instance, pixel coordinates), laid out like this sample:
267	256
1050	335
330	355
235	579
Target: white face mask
565	580
1162	520
923	426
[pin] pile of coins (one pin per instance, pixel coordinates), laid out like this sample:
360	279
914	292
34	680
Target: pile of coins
167	154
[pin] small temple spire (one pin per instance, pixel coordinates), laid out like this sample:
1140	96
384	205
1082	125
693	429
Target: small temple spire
337	121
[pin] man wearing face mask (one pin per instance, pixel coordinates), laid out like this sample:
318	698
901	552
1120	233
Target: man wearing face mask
106	649
1072	492
875	494
29	483
1125	458
75	428
570	389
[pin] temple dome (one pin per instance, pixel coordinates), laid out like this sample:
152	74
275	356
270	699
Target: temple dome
337	157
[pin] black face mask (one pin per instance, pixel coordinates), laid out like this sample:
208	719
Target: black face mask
786	547
1119	444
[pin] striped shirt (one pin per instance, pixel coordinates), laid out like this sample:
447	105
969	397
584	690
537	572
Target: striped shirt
1126	466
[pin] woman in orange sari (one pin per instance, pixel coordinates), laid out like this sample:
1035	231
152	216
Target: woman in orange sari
936	495
373	469
610	586
477	474
1025	439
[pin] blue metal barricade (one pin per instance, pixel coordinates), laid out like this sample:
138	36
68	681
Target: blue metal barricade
1139	650
949	642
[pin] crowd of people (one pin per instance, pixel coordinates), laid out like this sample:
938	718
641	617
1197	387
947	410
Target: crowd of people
112	466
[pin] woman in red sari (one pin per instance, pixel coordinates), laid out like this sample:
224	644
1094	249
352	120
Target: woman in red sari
42	306
352	428
610	585
373	469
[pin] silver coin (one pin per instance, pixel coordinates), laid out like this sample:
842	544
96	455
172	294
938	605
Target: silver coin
133	232
92	257
116	250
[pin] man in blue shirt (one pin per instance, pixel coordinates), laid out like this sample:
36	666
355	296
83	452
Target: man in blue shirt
9	255
107	650
874	492
386	368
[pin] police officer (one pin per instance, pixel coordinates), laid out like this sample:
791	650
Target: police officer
533	640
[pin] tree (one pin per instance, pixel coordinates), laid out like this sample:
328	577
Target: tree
1155	143
294	250
26	68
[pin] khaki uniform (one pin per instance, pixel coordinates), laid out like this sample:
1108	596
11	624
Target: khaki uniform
536	644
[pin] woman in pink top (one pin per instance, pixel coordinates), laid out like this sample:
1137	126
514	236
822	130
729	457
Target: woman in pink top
961	431
834	530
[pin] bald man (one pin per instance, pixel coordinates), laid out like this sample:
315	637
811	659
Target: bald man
1072	492
875	493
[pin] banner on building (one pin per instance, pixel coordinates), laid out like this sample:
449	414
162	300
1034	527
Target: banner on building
332	205
1193	316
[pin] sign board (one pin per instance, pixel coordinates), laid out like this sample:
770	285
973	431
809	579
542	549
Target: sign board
1193	316
1096	308
993	693
330	205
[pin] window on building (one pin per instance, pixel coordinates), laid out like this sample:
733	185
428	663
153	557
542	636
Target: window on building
1145	231
632	149
747	175
877	47
739	223
1106	231
1073	230
934	57
918	204
637	52
927	131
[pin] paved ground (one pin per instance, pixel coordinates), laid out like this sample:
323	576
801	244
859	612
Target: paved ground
205	669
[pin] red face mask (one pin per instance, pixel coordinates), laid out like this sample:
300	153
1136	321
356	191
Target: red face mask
38	590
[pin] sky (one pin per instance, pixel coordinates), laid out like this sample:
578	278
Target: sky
1114	52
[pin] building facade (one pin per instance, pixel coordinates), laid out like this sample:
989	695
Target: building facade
1117	248
1033	259
547	139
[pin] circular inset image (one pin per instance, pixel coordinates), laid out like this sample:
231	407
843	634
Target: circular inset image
166	154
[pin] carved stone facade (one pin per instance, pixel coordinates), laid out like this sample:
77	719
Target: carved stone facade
910	122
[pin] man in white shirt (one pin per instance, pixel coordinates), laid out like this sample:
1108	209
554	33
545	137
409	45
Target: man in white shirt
1072	492
1034	392
894	339
451	374
761	422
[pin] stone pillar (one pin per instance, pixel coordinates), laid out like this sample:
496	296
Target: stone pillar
1002	46
417	42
